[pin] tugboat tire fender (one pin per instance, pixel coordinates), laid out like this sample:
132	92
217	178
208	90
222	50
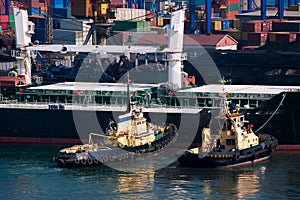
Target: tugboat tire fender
61	162
83	161
96	161
105	159
90	161
77	161
236	157
273	147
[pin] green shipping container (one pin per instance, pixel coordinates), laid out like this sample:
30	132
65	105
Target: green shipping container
12	25
232	7
125	25
11	18
135	26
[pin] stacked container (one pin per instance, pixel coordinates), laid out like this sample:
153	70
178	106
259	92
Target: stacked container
230	10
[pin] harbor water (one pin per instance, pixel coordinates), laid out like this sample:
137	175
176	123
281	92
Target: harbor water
27	173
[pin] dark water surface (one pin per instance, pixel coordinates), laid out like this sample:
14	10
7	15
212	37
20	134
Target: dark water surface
26	173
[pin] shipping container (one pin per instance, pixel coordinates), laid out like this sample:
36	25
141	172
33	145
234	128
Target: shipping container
40	35
294	8
278	26
80	8
4	26
76	25
11	18
282	37
33	11
67	37
251	26
286	38
245	36
257	37
130	25
216	25
225	24
232	2
251	43
4	18
234	23
60	13
233	7
130	14
293	26
235	34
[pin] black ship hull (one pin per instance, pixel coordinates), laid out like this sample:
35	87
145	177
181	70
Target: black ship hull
58	126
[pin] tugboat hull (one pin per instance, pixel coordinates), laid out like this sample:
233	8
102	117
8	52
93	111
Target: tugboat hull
214	159
113	155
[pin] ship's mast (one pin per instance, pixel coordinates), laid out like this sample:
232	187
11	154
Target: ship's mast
175	45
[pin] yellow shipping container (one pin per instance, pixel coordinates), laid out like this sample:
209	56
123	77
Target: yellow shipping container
216	25
160	21
244	35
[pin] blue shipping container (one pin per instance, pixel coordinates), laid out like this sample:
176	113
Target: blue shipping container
225	24
39	34
60	12
34	11
217	15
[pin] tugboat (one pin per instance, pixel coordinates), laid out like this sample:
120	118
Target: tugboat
234	145
131	138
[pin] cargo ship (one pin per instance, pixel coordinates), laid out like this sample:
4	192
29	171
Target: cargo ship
45	114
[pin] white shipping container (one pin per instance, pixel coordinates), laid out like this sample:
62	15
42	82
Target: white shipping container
130	14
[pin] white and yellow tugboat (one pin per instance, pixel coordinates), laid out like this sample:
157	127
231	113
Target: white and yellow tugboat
130	139
236	144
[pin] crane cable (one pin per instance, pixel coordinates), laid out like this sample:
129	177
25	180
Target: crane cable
280	103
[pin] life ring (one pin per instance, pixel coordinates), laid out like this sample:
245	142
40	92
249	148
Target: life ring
83	161
90	161
77	161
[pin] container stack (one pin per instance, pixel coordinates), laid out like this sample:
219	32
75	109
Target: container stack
230	9
6	19
72	31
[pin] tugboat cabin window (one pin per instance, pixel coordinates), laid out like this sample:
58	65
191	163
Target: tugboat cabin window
230	141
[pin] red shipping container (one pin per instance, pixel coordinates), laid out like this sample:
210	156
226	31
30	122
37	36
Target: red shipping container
114	2
233	1
153	22
286	38
33	4
230	14
257	37
4	18
251	26
4	26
